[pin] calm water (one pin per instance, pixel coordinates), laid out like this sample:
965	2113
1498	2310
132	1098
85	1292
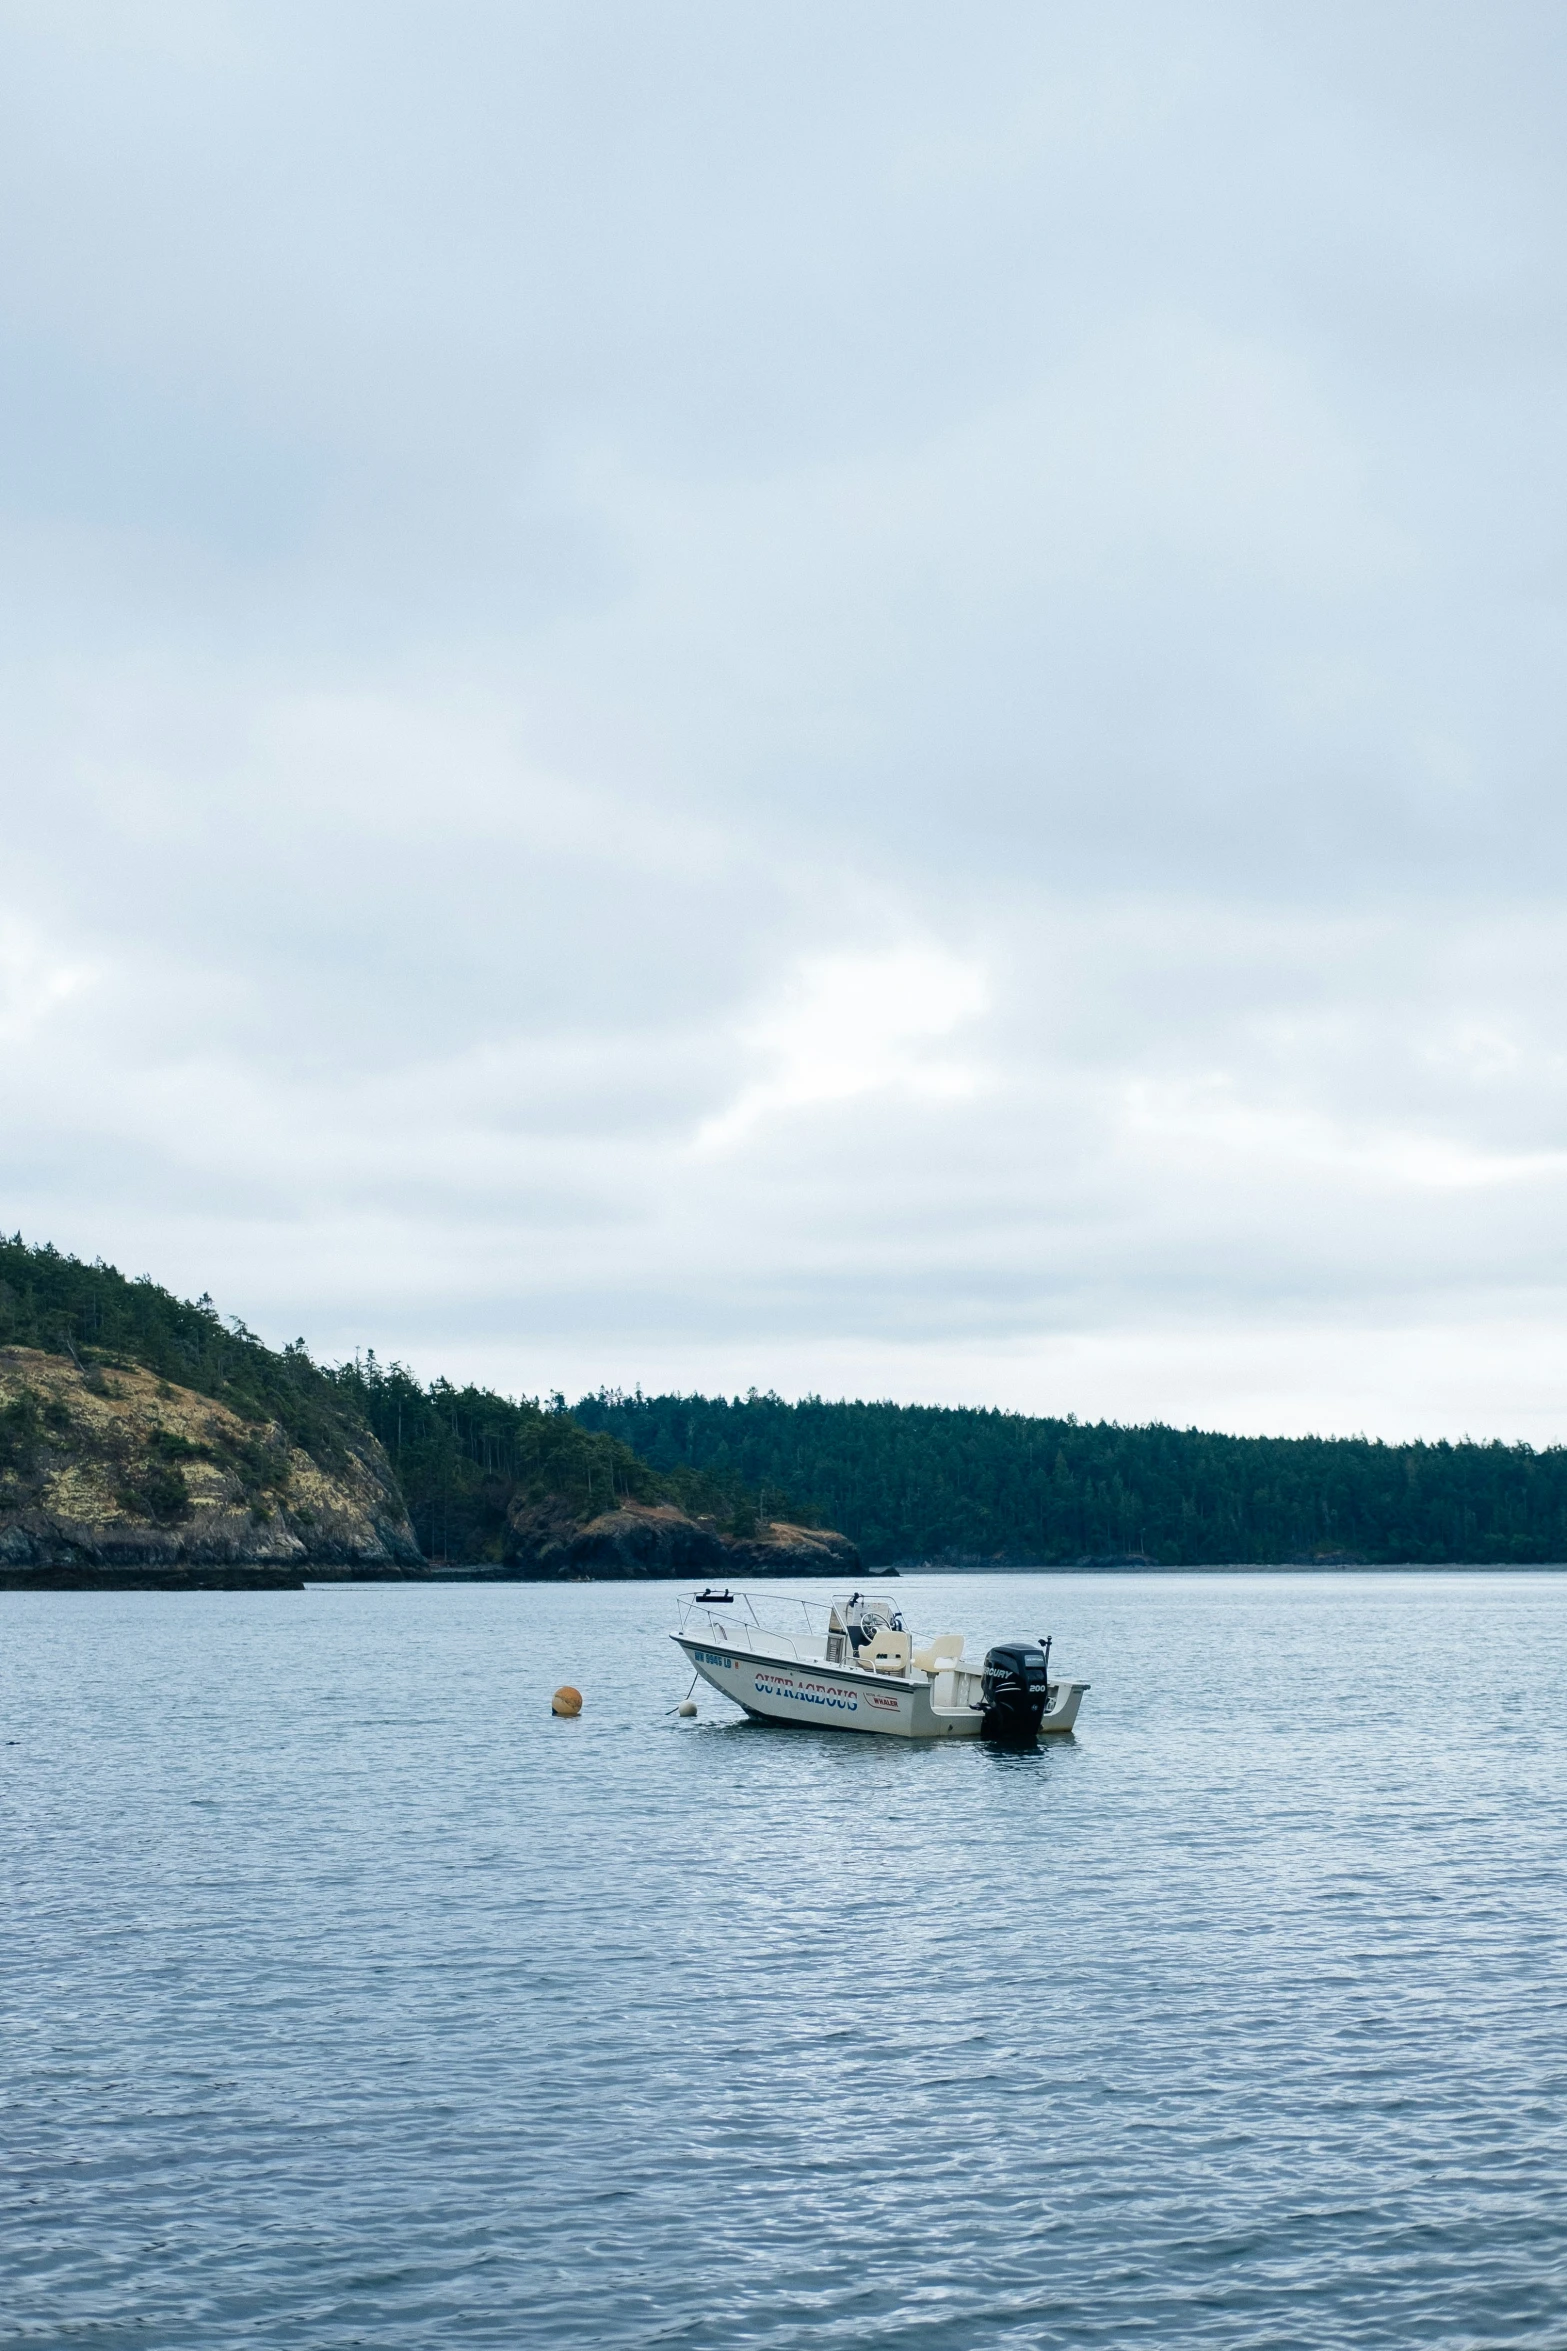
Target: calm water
349	1999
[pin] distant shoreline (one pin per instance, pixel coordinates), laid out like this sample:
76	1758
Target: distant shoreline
304	1578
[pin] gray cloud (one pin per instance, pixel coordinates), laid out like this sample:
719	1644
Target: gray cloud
858	701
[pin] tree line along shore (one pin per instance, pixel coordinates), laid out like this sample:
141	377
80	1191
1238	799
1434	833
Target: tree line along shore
474	1478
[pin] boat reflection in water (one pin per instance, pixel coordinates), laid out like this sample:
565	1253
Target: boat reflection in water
849	1664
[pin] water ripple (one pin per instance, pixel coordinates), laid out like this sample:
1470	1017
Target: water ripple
351	2000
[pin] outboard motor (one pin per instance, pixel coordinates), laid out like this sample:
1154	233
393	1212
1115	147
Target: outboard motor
1014	1692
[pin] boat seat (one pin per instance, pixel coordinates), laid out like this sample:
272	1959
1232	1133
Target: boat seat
946	1650
888	1653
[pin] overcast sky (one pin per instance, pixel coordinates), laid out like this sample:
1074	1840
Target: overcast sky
864	698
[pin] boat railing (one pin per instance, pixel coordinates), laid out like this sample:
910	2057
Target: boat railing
795	1630
786	1620
768	1612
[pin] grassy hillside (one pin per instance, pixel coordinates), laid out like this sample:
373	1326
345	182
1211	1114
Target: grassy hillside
912	1482
91	1313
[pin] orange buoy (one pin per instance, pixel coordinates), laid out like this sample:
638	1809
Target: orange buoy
567	1702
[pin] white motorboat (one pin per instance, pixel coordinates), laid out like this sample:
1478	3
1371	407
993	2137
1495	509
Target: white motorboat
850	1665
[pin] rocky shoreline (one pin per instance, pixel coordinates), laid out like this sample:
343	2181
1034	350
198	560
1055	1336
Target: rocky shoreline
112	1478
644	1540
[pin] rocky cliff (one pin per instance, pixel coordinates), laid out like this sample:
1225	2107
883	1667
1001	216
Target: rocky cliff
544	1540
111	1475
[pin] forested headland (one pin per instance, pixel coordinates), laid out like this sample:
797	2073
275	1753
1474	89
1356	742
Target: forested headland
485	1478
912	1482
465	1457
905	1483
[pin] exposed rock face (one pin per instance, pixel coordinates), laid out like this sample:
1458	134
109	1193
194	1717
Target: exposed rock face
780	1549
545	1540
116	1476
654	1539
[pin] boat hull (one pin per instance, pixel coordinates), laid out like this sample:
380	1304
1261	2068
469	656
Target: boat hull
843	1698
